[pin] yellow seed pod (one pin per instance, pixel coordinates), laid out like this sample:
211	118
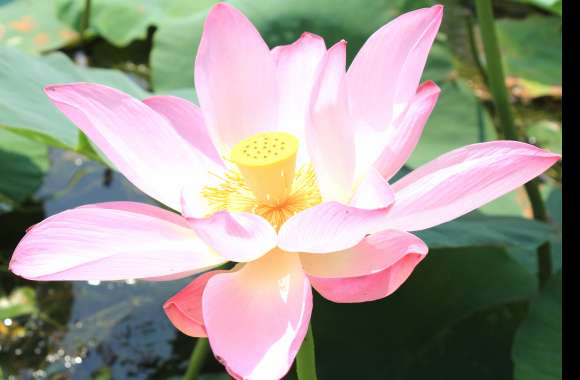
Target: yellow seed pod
267	161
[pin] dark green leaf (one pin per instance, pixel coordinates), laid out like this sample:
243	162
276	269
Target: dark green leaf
537	351
514	204
385	339
488	231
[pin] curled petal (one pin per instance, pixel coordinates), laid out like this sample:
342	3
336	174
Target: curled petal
268	303
184	308
112	241
235	77
372	255
370	287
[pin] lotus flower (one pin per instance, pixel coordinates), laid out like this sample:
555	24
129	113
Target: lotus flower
284	169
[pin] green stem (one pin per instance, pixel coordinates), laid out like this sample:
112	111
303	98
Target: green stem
85	21
473	48
499	92
197	359
305	360
495	74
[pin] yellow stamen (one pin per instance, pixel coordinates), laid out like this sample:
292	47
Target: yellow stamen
266	161
294	191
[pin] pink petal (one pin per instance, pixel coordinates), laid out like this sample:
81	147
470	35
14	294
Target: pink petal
329	134
111	241
296	68
388	67
235	77
187	120
257	317
463	180
184	308
328	227
371	287
142	144
237	236
372	255
402	138
333	226
382	80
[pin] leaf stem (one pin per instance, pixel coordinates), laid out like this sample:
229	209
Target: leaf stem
197	359
496	82
473	47
85	21
305	360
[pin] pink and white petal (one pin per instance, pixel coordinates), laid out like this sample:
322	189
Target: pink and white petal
463	180
142	144
187	120
237	236
403	136
388	67
412	69
372	255
235	78
154	212
329	135
370	287
268	303
328	227
296	68
111	241
383	79
334	226
184	308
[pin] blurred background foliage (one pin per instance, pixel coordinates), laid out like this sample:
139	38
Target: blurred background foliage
471	310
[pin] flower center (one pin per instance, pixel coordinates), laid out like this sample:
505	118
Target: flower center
267	161
265	181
